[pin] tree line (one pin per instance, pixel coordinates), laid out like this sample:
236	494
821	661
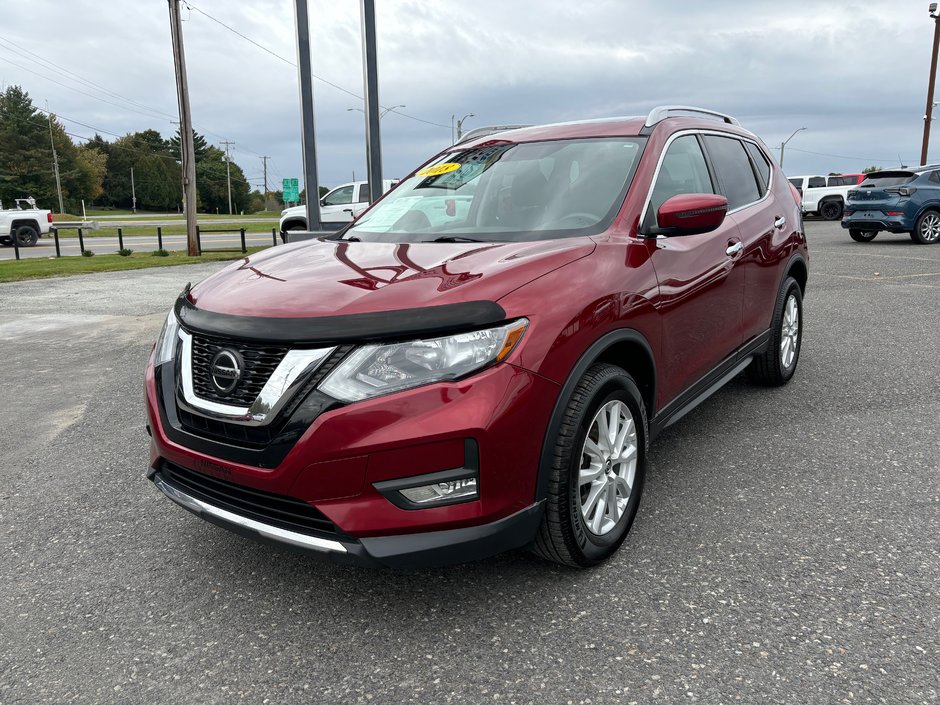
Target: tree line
99	171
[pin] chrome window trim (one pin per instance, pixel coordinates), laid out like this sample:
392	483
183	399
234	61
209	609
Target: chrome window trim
682	133
291	374
197	506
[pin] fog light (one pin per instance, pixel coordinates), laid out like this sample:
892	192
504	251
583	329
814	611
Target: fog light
441	492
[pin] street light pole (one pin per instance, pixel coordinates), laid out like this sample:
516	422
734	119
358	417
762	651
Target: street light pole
460	125
783	145
928	116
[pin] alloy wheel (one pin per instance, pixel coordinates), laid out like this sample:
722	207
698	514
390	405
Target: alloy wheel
789	332
608	467
930	227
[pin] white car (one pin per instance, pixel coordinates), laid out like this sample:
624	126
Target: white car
340	205
824	195
25	223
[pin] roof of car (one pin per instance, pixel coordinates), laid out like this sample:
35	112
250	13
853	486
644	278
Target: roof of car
633	126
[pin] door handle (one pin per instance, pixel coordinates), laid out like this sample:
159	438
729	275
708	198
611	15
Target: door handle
734	249
780	222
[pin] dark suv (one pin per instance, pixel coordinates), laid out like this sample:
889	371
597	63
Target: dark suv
898	201
479	362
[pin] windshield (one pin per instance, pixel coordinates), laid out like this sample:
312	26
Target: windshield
508	192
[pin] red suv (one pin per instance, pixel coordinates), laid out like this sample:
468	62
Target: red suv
479	362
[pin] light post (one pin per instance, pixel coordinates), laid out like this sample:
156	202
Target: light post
385	111
459	126
928	116
783	145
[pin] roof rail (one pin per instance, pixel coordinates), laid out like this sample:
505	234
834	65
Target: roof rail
484	131
663	111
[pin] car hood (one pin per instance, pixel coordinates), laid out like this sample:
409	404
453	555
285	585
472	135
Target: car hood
312	279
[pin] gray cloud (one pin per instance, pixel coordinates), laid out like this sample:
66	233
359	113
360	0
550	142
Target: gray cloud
853	73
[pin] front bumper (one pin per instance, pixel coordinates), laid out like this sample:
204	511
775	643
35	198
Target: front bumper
409	551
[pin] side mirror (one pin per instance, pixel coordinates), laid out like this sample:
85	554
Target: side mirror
322	201
692	213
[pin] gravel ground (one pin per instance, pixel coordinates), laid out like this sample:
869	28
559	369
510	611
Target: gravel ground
787	548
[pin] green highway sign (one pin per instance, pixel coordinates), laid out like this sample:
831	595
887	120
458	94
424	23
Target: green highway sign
291	189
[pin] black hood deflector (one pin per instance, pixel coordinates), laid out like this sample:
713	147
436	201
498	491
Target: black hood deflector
402	324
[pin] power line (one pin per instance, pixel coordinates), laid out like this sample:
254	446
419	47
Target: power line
291	63
76	77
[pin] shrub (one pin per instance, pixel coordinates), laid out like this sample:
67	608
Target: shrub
160	253
125	252
87	253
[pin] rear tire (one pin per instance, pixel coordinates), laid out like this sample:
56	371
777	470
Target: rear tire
862	235
927	228
830	210
776	365
6	242
595	484
26	235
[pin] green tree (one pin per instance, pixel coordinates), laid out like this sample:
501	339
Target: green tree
200	146
25	153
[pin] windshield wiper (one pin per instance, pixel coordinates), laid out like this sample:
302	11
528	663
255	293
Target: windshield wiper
453	238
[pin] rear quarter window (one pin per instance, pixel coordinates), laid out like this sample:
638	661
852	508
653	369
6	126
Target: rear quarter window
760	163
817	182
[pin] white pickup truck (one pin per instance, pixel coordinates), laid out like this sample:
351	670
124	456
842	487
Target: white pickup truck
825	195
25	223
340	205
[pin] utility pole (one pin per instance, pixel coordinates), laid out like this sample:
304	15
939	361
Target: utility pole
264	160
928	116
228	174
308	139
370	80
133	192
187	150
55	162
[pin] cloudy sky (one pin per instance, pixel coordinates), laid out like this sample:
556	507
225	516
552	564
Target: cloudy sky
853	73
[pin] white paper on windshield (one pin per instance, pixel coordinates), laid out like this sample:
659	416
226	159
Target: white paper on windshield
387	214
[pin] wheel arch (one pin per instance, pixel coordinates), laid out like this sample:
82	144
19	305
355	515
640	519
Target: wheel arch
25	221
291	222
626	348
798	269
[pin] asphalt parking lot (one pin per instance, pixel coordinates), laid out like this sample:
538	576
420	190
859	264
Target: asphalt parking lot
787	548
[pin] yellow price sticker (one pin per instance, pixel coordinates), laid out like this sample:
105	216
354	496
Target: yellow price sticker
445	168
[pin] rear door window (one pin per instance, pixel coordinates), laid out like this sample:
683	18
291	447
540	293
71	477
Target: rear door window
738	181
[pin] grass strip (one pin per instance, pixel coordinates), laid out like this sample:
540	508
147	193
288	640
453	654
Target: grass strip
41	267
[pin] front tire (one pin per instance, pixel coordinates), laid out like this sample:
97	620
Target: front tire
776	365
862	235
598	470
927	228
26	236
830	210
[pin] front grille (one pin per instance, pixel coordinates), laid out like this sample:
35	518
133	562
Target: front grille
239	434
269	508
260	363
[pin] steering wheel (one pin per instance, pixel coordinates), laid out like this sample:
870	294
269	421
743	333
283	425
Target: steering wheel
581	215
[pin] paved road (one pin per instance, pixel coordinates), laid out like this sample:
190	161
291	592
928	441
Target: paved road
787	549
139	243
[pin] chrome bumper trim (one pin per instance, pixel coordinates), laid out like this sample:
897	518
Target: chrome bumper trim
197	506
289	376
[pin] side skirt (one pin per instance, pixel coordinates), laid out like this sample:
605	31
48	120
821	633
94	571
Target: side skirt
724	372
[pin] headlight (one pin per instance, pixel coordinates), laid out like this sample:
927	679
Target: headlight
166	343
374	370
